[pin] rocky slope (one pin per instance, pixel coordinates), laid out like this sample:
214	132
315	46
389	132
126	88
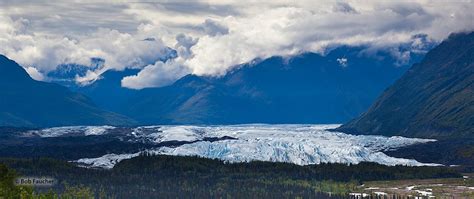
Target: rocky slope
434	99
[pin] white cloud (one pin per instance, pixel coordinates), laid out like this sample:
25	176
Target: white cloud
213	36
214	28
34	73
183	45
158	74
289	28
45	52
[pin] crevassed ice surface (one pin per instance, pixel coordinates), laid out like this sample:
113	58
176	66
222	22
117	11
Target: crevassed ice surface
298	144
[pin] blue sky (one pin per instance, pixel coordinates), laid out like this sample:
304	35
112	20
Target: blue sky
210	37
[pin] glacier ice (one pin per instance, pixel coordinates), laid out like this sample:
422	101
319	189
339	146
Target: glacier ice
298	144
107	161
67	130
159	134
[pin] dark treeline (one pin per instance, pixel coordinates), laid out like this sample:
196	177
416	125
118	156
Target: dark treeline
160	176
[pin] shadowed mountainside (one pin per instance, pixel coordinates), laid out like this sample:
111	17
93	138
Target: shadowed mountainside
29	103
309	88
434	99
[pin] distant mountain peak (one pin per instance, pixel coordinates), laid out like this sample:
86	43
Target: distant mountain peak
12	71
66	74
308	88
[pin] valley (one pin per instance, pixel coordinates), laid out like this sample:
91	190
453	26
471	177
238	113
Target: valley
237	99
104	146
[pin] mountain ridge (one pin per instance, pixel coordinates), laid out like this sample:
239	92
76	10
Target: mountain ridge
309	88
29	103
434	99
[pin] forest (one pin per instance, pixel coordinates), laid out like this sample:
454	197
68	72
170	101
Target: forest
161	176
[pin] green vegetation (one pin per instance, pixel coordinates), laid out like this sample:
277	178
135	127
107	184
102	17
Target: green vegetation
7	186
150	176
467	152
9	190
439	187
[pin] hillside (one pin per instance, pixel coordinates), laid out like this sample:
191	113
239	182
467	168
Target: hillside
434	99
309	88
29	103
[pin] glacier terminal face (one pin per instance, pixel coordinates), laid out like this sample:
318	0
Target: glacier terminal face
298	144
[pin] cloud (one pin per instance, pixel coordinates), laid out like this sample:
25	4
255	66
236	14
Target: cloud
184	44
45	52
214	28
81	16
211	37
156	75
289	30
164	72
344	7
35	74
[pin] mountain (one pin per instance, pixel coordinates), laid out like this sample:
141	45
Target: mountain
433	99
309	88
65	74
107	92
29	103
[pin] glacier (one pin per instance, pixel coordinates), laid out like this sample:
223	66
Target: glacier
68	130
292	143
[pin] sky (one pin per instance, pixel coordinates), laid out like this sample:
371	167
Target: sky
210	37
